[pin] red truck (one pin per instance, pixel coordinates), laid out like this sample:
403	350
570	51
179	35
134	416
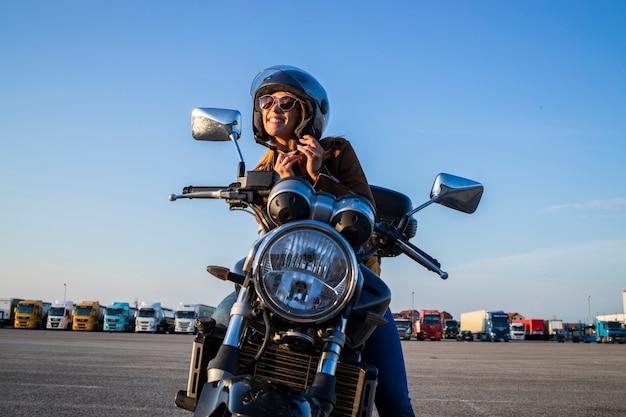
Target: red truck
429	325
534	329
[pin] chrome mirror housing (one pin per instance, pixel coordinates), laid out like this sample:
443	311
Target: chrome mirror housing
215	125
456	193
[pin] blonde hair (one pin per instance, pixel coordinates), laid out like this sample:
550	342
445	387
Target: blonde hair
267	161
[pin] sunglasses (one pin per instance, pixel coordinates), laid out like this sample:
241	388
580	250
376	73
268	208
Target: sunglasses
285	103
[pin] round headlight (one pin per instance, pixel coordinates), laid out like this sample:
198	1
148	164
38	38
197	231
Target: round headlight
290	200
305	272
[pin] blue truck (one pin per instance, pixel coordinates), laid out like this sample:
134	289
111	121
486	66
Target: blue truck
119	317
610	331
487	325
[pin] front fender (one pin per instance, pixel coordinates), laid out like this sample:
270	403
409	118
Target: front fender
249	396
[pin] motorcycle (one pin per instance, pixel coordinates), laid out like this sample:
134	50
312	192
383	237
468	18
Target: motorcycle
305	303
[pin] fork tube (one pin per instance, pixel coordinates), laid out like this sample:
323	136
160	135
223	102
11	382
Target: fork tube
332	349
226	362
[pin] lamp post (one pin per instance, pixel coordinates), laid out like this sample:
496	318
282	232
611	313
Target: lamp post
64	292
589	309
412	305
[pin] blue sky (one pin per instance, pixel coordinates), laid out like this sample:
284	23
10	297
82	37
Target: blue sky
528	98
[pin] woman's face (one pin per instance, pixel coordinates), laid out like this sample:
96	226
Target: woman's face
278	122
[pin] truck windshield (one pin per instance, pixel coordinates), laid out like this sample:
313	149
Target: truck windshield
614	325
26	308
146	313
431	319
500	321
114	311
83	311
56	311
185	314
403	324
517	327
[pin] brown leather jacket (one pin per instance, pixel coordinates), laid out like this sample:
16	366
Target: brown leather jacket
341	171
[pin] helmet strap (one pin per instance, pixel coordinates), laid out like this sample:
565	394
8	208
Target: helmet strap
267	145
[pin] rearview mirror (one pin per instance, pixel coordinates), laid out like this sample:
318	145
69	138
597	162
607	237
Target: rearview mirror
456	192
215	124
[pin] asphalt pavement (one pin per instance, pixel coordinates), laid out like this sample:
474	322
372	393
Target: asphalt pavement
60	373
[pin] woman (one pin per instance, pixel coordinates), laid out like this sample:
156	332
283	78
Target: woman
290	113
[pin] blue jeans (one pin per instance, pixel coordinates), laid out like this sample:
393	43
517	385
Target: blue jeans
384	351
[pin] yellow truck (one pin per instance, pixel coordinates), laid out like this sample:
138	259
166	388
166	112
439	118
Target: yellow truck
88	316
31	314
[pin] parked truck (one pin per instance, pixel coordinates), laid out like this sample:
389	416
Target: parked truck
450	329
553	330
7	311
429	325
517	330
88	316
186	315
487	325
533	329
405	328
152	318
119	317
31	314
60	315
610	331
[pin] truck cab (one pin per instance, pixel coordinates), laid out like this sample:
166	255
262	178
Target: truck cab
60	315
152	318
450	329
517	330
429	325
88	316
404	327
119	317
31	314
610	331
498	325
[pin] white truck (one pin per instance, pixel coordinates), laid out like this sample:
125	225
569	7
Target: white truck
517	331
61	315
152	318
7	311
186	315
553	329
487	325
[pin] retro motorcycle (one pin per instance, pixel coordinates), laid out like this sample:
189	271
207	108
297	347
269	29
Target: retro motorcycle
305	304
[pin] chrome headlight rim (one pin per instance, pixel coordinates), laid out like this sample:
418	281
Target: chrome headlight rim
351	278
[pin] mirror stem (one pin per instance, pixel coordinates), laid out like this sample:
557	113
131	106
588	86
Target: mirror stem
405	219
241	167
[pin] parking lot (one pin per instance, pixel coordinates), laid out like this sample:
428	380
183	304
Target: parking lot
74	374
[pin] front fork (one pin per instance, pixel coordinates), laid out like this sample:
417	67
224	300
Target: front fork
225	364
202	368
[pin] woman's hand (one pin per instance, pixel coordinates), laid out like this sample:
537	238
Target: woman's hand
284	164
314	153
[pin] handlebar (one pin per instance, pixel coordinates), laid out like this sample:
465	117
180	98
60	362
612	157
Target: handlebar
421	257
242	195
205	192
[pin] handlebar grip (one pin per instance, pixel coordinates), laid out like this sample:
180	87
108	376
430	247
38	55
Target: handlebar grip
197	189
